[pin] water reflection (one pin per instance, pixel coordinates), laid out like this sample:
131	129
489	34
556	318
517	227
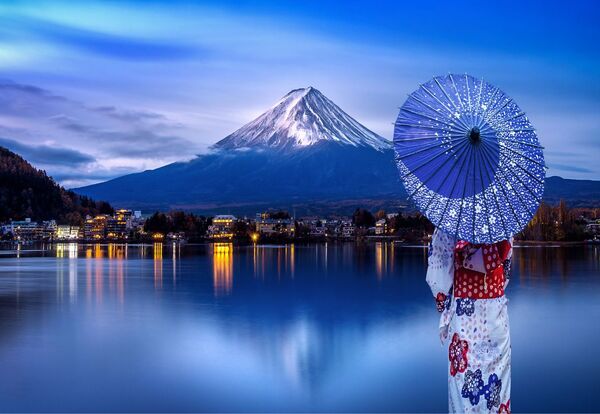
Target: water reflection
384	259
158	265
222	268
282	258
328	327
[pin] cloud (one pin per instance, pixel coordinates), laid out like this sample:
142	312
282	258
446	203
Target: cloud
96	42
570	168
112	139
47	155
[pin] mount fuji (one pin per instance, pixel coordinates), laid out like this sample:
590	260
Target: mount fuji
303	154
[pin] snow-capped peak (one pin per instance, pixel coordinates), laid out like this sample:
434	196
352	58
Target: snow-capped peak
301	118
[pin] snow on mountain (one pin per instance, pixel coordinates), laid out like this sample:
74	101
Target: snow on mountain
302	118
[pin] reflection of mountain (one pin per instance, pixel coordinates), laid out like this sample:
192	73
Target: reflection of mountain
312	308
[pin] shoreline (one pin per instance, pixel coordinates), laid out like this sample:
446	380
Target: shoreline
238	242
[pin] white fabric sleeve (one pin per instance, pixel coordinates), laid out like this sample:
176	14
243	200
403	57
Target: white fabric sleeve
440	265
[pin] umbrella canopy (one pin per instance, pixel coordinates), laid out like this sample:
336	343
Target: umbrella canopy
469	158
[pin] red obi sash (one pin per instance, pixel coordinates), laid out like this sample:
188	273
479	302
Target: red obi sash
469	283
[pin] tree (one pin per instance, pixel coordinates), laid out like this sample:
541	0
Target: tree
380	215
363	218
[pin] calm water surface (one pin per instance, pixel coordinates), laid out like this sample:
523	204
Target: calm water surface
334	327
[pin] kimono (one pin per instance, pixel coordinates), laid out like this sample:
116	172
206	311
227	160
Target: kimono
468	282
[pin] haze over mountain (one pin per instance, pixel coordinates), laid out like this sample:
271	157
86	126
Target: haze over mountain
304	154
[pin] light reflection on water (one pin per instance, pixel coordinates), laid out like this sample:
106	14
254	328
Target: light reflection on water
322	327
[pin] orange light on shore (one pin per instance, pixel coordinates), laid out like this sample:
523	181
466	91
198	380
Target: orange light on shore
254	237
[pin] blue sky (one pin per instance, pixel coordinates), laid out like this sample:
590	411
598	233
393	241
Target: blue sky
93	90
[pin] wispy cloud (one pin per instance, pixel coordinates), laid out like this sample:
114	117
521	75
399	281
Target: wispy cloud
46	155
64	135
137	84
571	168
97	42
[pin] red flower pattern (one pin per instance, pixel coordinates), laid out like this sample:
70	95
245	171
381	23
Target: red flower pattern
440	302
504	408
457	354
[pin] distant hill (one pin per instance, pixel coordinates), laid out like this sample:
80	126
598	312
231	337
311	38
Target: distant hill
577	193
304	154
28	192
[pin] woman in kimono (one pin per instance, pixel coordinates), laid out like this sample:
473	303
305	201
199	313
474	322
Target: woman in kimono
468	283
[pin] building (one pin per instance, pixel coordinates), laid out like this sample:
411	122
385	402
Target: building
348	229
66	232
593	229
222	227
95	228
116	227
269	226
30	230
381	227
127	216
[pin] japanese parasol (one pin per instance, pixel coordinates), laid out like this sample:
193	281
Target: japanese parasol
469	158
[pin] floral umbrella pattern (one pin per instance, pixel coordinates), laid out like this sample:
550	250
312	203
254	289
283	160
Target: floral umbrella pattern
469	158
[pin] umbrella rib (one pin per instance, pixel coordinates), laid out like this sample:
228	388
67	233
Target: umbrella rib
485	203
517	115
431	175
442	104
425	148
425	163
537	198
442	183
445	93
462	199
451	101
474	193
427	117
412	95
520	199
540	181
523	155
520	142
420	126
499	171
508	101
486	112
453	186
479	97
430	107
460	101
462	107
469	98
436	98
492	179
422	137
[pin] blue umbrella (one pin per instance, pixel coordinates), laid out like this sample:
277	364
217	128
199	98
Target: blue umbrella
469	158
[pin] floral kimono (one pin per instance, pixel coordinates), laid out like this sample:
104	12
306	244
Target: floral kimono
468	284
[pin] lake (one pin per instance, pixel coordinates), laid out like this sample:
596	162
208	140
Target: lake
323	327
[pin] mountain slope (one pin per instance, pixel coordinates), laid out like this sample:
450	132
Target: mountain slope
302	118
303	154
312	179
28	192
